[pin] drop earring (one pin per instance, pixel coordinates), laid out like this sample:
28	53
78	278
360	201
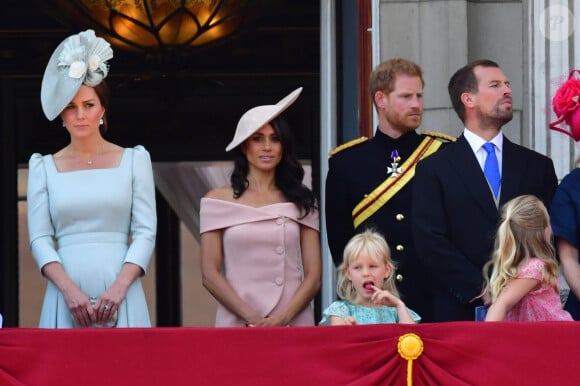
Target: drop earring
101	122
63	124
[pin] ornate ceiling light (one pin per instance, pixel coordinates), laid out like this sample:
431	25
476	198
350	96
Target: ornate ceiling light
159	25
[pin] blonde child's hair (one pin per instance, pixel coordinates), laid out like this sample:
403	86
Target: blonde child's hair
521	235
375	246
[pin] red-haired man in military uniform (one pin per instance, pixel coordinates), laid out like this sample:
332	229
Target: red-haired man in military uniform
369	181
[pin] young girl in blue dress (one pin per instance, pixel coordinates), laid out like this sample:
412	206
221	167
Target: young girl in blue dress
366	287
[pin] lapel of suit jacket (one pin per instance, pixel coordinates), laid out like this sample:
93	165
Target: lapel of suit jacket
512	171
466	165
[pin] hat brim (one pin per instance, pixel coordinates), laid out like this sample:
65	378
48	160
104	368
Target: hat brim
57	89
255	118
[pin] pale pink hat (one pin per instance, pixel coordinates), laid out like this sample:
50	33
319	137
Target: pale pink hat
256	117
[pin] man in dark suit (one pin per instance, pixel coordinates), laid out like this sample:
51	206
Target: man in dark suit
369	180
455	208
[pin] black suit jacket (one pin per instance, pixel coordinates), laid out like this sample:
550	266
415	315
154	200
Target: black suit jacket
455	217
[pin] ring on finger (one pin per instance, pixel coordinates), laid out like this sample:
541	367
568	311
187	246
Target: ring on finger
106	307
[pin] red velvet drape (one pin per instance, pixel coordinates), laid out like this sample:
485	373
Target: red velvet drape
459	353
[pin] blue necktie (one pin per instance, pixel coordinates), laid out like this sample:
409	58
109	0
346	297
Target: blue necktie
491	168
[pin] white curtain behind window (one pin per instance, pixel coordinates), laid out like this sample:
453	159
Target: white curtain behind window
183	184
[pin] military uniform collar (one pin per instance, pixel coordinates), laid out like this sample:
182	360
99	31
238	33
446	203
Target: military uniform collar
406	139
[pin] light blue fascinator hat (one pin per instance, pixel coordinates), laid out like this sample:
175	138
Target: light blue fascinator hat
256	117
79	59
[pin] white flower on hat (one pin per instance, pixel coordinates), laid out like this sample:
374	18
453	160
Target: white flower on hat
79	59
99	51
77	69
72	52
94	62
85	56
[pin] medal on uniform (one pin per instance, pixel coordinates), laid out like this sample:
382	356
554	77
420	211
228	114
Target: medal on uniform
394	170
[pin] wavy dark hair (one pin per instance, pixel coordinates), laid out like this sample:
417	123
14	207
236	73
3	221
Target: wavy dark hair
289	171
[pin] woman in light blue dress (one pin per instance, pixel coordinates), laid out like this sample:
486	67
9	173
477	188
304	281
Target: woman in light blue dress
91	205
366	287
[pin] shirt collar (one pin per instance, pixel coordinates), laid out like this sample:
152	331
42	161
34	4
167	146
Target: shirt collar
476	142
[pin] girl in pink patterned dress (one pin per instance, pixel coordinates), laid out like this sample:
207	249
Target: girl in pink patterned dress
523	282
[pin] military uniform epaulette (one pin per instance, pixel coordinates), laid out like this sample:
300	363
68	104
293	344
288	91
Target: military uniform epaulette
348	144
446	137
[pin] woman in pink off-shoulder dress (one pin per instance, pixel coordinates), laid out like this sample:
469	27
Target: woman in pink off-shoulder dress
260	246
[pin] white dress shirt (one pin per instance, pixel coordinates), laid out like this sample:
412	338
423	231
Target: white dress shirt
476	143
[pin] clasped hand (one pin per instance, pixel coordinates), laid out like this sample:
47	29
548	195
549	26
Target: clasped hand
87	311
268	321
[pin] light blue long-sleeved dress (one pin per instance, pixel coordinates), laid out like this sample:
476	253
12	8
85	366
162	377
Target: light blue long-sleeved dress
92	214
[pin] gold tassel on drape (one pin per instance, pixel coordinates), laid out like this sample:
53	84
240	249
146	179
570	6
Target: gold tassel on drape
410	347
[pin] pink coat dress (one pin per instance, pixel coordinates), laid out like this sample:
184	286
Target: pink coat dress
261	255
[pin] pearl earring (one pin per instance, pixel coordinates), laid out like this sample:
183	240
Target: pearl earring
101	122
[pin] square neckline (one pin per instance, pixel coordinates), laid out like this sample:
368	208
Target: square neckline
51	156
